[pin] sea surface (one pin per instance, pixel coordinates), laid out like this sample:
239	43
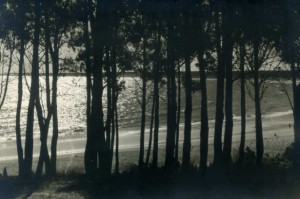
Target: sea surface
72	105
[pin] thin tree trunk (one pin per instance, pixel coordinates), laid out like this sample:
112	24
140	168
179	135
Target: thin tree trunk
87	162
142	137
156	77
220	95
20	97
171	103
114	91
188	115
143	119
3	95
108	152
44	122
54	113
258	121
296	115
178	112
156	126
113	134
297	126
204	116
150	133
188	96
228	99
20	89
109	86
143	105
117	166
44	155
52	108
34	92
243	103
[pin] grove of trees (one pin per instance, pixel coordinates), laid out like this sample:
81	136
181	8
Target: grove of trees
161	42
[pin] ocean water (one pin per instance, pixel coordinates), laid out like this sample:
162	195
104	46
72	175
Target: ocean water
72	105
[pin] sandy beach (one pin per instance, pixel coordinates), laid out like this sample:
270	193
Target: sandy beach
278	134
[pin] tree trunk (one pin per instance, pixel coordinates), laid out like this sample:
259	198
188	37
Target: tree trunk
44	155
178	112
258	121
296	100
109	82
188	115
88	157
96	152
52	107
243	103
117	166
19	106
3	93
150	133
156	125
54	115
107	152
44	122
297	126
20	92
291	37
204	116
100	31
142	137
34	92
156	77
227	51
171	100
113	134
115	93
143	119
220	95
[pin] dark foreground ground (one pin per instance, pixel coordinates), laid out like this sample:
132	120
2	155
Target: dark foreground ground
275	179
234	182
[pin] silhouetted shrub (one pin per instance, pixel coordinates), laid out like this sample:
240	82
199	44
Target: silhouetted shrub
288	152
249	156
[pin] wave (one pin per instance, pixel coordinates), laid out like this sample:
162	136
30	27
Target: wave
270	115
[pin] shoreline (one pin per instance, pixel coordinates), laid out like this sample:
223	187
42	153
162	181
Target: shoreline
277	136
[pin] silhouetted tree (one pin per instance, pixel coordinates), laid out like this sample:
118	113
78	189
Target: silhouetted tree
204	48
96	146
219	116
13	35
34	91
288	48
227	46
243	100
140	34
56	24
172	43
178	110
259	51
150	133
21	33
188	51
106	49
156	80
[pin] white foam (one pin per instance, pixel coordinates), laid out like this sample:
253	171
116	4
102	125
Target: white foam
279	114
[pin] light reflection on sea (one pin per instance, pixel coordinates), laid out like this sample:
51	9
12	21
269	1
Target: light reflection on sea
72	106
